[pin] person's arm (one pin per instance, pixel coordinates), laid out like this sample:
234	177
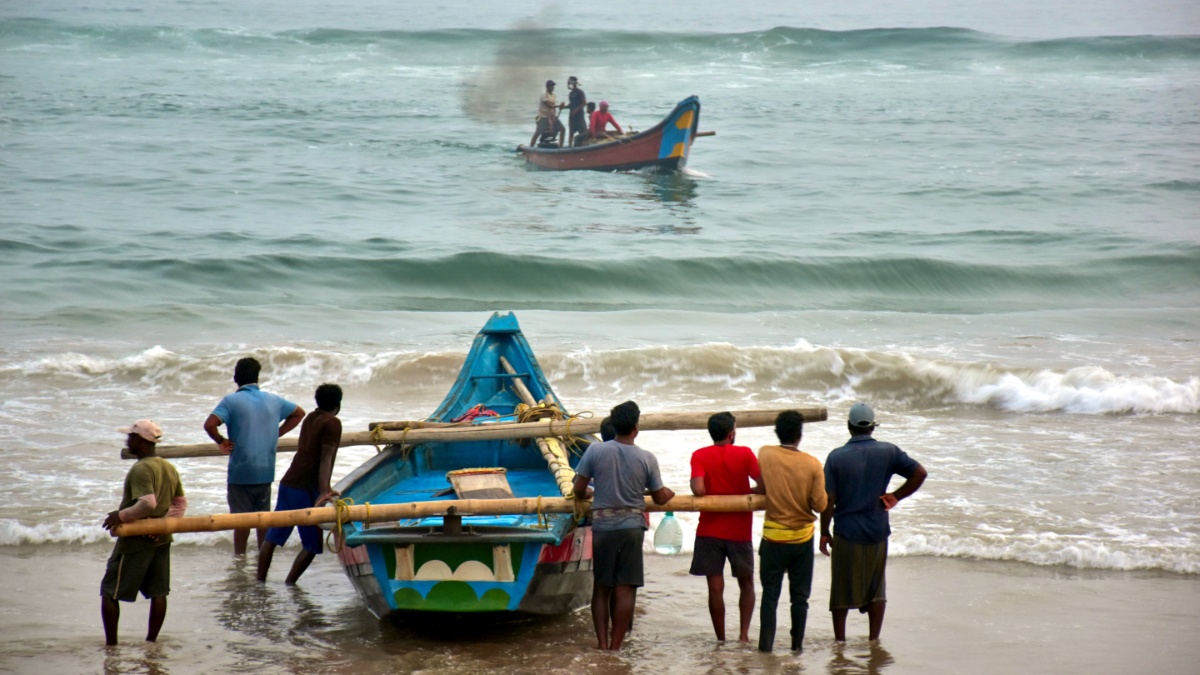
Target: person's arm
178	507
292	420
662	495
582	491
210	427
698	486
618	126
325	474
826	518
760	486
910	486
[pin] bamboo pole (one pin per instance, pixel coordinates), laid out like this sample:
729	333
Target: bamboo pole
506	431
551	448
378	513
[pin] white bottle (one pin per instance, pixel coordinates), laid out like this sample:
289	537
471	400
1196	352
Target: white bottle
668	536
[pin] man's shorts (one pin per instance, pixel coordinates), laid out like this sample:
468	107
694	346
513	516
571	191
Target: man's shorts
546	125
857	576
292	499
708	558
617	557
147	570
248	498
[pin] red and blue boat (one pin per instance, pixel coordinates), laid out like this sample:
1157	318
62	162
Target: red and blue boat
663	147
534	564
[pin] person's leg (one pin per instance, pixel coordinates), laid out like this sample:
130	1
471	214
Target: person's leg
770	575
623	615
800	572
260	537
158	613
240	539
303	560
601	596
716	604
875	618
265	553
110	614
745	606
839	624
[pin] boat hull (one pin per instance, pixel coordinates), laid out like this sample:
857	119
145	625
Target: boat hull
529	564
664	147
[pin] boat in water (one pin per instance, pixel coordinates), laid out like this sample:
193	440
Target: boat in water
664	147
520	564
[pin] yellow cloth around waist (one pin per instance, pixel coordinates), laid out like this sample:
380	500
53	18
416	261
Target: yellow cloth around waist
773	531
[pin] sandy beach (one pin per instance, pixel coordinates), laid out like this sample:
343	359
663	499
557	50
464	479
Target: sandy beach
944	616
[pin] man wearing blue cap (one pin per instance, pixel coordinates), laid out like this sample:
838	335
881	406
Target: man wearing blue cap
856	480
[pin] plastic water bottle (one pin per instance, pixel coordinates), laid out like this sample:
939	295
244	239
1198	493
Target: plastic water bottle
668	536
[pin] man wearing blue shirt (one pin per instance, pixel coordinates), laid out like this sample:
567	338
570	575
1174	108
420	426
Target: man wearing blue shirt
856	480
252	418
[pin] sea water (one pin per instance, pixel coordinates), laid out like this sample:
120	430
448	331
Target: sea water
982	222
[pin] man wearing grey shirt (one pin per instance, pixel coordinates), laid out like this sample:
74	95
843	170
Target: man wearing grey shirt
623	474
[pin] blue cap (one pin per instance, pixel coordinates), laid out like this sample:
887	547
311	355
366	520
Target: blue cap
862	416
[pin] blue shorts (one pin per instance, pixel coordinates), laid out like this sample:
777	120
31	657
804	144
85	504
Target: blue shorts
292	499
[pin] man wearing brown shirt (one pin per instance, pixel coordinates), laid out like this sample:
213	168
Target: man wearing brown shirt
795	489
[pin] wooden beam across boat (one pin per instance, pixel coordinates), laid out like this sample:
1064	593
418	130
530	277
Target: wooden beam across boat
379	513
386	433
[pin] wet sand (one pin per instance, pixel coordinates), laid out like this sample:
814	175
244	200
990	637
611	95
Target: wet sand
944	616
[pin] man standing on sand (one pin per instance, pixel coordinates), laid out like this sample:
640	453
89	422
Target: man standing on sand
795	489
152	490
623	473
725	469
252	418
856	478
306	483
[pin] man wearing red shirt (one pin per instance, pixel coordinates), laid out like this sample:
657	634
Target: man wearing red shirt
600	121
725	469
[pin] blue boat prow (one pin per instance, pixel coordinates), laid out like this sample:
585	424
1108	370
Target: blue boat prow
518	563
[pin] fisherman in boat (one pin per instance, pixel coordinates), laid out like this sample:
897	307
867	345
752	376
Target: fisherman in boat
624	474
600	121
547	118
577	121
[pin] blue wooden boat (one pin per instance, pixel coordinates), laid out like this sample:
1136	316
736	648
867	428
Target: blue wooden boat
518	564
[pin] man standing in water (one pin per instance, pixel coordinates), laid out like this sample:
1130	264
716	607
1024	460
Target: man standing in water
725	469
306	483
252	418
856	479
577	122
623	474
795	489
152	490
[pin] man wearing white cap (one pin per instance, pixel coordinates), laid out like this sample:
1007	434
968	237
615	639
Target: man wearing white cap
152	490
856	480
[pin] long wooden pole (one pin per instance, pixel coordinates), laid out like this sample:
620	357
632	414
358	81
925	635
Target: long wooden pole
507	431
378	513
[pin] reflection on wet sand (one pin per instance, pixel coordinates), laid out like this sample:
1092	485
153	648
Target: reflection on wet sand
856	660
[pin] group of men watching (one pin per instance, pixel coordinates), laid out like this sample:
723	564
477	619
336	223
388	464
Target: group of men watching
585	121
254	420
850	493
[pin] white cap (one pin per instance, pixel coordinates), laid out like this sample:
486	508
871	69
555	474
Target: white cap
862	416
147	429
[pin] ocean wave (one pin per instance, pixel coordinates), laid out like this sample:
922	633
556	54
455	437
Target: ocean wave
715	371
517	46
482	281
1049	548
15	533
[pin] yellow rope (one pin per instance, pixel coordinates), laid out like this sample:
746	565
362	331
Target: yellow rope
378	439
342	515
543	523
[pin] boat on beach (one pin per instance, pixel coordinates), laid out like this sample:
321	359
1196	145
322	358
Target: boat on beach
529	564
664	147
